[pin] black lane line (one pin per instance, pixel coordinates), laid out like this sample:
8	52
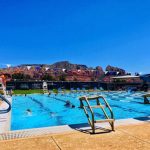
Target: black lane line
46	109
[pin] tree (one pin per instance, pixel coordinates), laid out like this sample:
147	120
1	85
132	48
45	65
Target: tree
75	79
27	76
18	76
21	76
62	77
48	77
92	79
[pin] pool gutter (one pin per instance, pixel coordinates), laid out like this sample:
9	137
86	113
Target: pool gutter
9	135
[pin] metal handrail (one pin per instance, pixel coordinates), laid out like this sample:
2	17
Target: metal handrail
86	112
92	123
106	103
146	100
9	105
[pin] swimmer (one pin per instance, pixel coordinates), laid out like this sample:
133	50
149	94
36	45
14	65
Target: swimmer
52	114
29	112
49	93
68	104
73	106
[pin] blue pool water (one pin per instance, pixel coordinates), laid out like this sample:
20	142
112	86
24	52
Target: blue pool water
51	110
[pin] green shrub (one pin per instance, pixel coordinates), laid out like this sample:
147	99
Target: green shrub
27	91
55	90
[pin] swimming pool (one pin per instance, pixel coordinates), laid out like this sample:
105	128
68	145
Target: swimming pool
37	110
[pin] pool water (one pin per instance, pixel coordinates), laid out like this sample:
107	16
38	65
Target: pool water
35	111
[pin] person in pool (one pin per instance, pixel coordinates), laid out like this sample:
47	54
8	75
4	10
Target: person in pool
68	104
29	112
53	114
49	93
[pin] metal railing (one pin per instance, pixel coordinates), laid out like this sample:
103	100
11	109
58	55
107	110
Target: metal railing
146	100
92	120
8	103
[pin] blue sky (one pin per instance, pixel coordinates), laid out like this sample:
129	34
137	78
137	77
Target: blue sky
91	32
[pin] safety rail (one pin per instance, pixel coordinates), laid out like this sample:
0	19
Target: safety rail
99	105
9	105
146	100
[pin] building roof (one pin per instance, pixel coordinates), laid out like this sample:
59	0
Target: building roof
125	77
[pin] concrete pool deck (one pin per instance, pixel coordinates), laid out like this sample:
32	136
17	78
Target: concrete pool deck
129	134
5	119
131	137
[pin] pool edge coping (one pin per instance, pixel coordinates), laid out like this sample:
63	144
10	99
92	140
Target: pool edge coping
36	132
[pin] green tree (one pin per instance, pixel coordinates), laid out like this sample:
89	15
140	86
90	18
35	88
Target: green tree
62	77
21	76
18	76
27	76
48	77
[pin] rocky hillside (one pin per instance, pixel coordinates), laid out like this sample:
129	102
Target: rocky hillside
59	65
67	65
59	71
116	69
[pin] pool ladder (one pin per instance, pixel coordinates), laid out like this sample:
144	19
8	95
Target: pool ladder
91	119
8	103
146	100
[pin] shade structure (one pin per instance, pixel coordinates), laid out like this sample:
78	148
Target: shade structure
145	77
125	77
